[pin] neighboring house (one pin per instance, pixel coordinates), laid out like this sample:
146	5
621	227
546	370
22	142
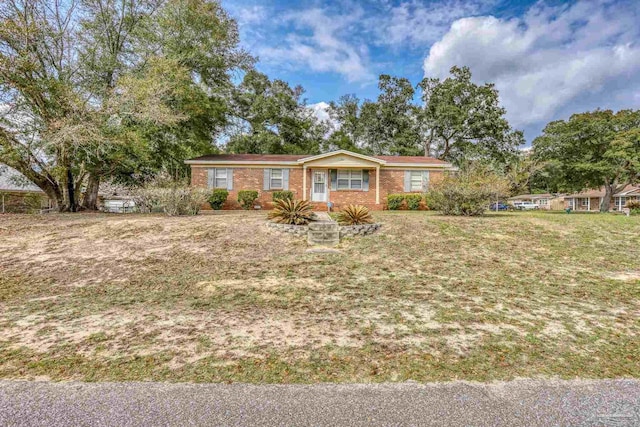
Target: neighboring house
340	177
545	201
590	200
115	198
117	204
18	194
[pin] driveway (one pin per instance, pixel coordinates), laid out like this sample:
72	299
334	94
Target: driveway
516	403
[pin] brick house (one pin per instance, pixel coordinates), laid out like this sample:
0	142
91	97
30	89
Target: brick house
340	177
590	200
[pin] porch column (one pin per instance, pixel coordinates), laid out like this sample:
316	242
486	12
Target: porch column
304	182
589	204
378	185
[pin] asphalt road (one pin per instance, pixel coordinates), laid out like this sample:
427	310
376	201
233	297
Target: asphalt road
517	403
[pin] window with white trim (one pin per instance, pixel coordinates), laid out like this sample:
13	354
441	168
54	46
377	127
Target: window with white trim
349	179
417	181
220	180
276	179
584	202
543	202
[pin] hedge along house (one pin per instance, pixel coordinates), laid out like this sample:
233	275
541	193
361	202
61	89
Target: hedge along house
341	177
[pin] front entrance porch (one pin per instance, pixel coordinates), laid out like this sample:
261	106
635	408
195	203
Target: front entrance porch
324	180
319	187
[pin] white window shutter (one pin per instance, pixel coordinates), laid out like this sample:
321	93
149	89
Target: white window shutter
425	180
266	185
285	179
229	179
407	181
211	178
365	180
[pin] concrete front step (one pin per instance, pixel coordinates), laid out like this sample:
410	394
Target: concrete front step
324	232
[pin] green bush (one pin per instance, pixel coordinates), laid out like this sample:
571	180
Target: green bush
467	193
282	195
217	198
247	198
394	201
633	205
413	201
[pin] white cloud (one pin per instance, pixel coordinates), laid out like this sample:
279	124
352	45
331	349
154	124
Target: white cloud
251	15
320	43
552	61
320	111
415	22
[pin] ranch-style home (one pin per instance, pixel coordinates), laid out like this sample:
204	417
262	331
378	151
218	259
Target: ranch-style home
590	200
341	177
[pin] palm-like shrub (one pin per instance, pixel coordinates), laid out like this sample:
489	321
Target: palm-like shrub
355	215
296	212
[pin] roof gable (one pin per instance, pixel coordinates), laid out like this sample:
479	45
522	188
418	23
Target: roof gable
341	156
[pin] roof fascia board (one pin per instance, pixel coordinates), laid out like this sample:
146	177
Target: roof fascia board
430	165
345	152
241	162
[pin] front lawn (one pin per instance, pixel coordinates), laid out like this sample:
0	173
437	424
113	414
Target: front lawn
224	298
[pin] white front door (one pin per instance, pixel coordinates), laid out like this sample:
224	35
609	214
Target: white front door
319	186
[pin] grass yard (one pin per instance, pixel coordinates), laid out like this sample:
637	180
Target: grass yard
223	298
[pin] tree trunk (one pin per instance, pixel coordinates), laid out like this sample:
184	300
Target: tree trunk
71	204
606	200
90	201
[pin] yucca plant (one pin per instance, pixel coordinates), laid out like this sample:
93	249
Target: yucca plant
354	215
287	211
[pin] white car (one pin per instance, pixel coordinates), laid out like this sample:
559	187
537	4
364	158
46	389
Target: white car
526	206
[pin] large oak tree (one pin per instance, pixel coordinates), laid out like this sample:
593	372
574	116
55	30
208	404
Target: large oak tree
461	120
101	88
594	149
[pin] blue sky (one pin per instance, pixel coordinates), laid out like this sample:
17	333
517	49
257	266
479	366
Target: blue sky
548	59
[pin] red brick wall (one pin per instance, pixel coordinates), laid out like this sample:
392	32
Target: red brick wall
392	181
249	179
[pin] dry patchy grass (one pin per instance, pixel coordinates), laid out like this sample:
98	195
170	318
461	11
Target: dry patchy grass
223	298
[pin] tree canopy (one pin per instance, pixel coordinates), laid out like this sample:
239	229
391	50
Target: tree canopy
271	117
457	120
461	120
111	87
594	149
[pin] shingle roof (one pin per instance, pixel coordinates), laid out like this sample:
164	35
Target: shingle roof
599	192
252	157
12	180
532	196
410	159
296	157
